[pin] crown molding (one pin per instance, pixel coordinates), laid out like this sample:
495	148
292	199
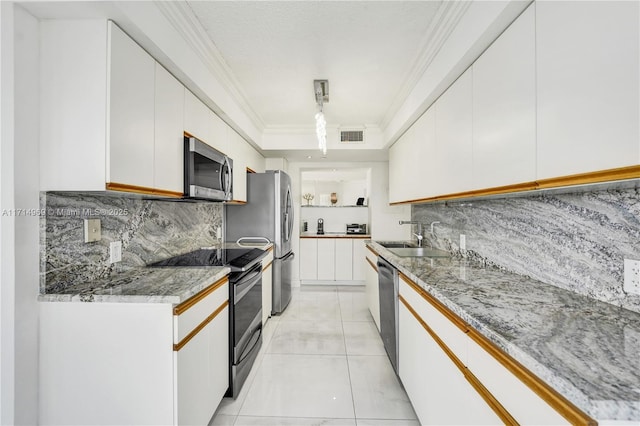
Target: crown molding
447	18
187	24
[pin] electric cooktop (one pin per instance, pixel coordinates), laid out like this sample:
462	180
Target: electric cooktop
238	259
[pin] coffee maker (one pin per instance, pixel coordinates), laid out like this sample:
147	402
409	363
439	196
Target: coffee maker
320	227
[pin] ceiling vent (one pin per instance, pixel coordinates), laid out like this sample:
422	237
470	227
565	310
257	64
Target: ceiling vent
351	136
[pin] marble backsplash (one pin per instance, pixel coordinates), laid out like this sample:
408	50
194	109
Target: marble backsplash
577	241
150	230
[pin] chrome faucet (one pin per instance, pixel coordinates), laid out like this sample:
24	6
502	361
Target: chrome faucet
433	223
419	234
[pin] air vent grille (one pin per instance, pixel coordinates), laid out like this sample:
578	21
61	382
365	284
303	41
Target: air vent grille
352	136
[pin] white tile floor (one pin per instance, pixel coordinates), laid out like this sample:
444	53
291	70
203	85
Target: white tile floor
322	363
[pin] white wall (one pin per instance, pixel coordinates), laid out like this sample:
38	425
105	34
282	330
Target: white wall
19	235
335	218
27	260
7	296
383	217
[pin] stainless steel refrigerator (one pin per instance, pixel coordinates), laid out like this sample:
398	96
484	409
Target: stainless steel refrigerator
268	213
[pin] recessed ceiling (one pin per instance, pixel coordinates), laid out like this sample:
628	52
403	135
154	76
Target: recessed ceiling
275	49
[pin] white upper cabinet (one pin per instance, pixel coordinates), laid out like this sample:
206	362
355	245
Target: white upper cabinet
103	110
73	105
130	119
402	161
169	130
588	86
237	150
504	107
453	150
197	117
424	183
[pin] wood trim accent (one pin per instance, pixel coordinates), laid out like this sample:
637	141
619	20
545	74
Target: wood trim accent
250	170
189	135
373	251
620	173
123	187
375	268
267	267
600	176
491	400
182	307
558	402
270	248
235	202
199	327
519	187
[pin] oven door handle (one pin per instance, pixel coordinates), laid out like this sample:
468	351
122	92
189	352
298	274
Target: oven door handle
247	283
251	344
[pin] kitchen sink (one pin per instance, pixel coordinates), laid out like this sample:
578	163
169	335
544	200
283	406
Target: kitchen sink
396	244
418	252
410	249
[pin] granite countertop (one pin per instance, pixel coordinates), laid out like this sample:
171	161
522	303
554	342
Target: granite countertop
142	285
334	235
148	285
585	349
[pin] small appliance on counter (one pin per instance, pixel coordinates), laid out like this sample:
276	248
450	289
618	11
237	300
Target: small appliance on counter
320	227
357	229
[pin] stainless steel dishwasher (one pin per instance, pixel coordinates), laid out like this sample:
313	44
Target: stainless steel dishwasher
388	291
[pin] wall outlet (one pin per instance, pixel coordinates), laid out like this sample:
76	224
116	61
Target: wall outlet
115	251
632	276
219	233
92	230
463	242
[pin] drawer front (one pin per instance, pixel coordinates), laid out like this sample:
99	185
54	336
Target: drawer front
450	333
371	255
185	321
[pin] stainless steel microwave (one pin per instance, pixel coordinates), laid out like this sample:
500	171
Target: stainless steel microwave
208	173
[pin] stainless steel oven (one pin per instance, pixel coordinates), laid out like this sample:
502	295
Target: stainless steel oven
245	334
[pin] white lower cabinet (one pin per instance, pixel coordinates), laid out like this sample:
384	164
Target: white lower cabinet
437	388
372	292
331	259
134	363
267	286
439	361
308	259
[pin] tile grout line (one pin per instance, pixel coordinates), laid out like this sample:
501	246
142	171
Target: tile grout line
346	357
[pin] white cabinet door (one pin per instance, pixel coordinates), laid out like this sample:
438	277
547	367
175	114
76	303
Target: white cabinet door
343	259
308	258
453	152
220	133
131	93
194	395
238	152
73	101
197	118
267	287
169	129
359	260
518	399
587	86
255	160
504	107
371	287
402	168
326	259
218	359
423	183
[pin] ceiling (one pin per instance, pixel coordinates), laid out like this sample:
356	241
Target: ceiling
275	49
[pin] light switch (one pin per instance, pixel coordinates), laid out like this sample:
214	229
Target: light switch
115	251
92	230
